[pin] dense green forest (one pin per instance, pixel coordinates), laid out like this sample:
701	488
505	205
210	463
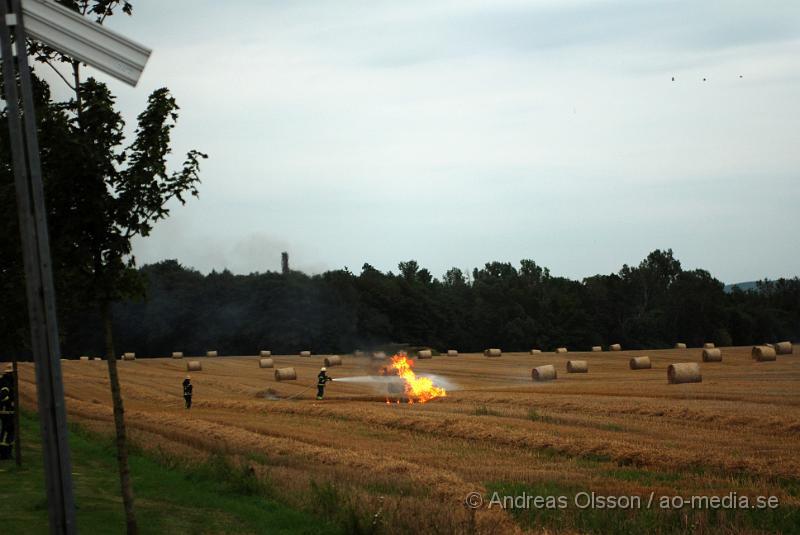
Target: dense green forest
650	305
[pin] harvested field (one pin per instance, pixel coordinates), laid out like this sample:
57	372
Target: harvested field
613	431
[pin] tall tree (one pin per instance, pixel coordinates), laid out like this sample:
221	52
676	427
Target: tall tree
110	195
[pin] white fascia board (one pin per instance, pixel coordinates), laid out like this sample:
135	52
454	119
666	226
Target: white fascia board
84	40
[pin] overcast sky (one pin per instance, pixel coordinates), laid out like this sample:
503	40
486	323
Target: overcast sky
457	133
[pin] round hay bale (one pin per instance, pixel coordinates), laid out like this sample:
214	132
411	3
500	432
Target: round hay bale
684	372
577	366
769	345
492	352
84	358
358	353
177	355
544	373
379	355
266	363
712	355
680	345
305	353
784	348
708	345
424	354
285	374
615	347
333	360
194	366
561	350
452	353
640	363
396	386
212	354
535	351
597	348
129	356
264	354
763	353
97	358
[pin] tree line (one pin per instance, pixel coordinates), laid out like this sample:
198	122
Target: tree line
516	308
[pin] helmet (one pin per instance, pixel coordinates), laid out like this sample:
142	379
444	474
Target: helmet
323	369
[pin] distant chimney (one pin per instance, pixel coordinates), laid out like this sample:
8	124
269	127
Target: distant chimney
285	263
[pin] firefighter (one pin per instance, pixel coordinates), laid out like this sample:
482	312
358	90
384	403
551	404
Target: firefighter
322	378
7	408
187	391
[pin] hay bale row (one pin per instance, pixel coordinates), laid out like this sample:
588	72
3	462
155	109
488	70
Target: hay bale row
712	355
544	373
305	353
640	363
577	366
615	347
177	355
285	374
597	348
535	351
784	348
424	354
194	366
680	345
763	353
333	360
452	353
708	345
129	356
684	372
212	354
561	350
492	352
264	353
266	363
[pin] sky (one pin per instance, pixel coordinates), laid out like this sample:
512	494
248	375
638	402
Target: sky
461	132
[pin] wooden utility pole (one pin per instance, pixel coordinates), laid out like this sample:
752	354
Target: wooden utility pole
38	269
88	42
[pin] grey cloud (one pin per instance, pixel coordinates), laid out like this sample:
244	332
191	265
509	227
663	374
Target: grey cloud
463	132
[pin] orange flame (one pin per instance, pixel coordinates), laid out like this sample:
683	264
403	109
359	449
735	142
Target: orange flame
419	389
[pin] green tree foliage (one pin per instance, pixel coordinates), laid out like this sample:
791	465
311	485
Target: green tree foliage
650	305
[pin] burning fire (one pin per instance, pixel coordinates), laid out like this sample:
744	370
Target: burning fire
419	389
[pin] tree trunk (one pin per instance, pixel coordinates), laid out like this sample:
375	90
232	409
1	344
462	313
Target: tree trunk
76	76
17	431
119	424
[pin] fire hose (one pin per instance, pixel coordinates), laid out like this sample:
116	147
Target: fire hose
298	393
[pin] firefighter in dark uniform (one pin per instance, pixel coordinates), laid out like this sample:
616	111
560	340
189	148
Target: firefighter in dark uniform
187	391
7	408
322	379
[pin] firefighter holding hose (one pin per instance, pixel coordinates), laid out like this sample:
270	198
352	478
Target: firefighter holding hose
322	380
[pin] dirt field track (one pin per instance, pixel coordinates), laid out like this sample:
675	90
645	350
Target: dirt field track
612	431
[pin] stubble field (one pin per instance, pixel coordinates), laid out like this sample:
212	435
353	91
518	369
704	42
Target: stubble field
408	467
